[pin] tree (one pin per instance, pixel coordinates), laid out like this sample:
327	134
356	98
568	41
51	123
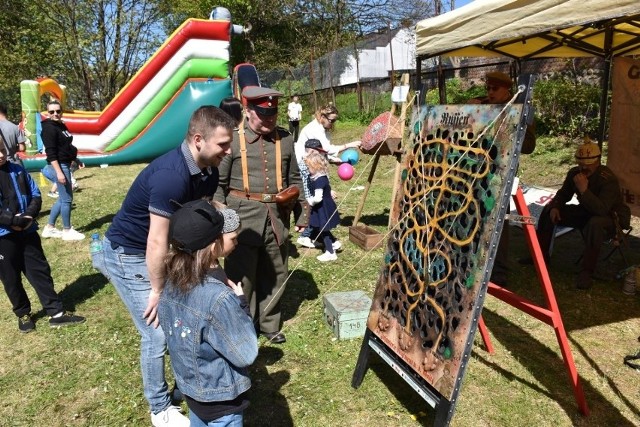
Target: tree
100	44
25	49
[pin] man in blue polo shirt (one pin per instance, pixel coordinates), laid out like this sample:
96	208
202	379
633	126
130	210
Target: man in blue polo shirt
137	241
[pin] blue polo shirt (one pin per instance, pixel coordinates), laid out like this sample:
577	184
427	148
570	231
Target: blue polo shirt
172	176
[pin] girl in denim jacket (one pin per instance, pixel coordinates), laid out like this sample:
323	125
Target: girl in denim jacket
205	317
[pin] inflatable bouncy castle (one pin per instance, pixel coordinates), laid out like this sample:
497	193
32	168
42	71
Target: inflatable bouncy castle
150	114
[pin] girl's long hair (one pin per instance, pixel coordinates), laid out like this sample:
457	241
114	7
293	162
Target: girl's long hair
185	271
316	162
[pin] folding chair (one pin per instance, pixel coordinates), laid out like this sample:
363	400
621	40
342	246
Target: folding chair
619	242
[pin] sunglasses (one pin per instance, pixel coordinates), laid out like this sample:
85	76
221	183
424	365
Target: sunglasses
331	120
492	88
55	111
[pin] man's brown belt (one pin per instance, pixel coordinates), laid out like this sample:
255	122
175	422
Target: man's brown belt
258	197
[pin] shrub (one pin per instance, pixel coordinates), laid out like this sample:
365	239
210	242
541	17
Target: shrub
566	108
457	93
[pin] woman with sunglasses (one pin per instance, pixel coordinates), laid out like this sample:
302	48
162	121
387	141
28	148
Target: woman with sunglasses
58	144
320	128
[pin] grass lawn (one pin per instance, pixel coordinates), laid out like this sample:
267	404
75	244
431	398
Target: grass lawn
89	376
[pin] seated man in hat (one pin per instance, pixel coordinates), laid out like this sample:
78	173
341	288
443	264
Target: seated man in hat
262	163
499	91
598	215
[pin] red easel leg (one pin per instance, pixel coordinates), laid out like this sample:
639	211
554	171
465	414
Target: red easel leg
484	333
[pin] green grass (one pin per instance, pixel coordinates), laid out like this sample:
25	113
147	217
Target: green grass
89	376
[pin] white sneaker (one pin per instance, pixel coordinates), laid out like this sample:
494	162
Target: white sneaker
337	245
170	417
51	232
326	257
306	242
71	234
52	194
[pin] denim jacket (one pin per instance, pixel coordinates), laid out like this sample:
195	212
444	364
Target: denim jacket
211	340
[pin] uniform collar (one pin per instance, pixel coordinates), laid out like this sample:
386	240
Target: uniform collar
251	137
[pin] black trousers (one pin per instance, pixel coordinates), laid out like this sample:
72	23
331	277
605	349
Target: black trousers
22	253
294	129
594	229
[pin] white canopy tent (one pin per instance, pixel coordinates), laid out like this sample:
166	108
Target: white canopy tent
533	29
525	29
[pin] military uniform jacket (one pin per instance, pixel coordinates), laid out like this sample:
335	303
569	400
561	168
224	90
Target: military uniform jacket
255	216
603	195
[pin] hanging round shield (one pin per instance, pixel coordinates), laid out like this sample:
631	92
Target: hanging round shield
384	129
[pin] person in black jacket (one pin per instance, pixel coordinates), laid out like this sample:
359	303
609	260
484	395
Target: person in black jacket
21	248
599	214
58	144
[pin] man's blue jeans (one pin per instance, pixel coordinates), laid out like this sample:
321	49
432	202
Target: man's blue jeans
231	420
130	277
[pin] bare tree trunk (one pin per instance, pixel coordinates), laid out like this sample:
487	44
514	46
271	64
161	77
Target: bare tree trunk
391	55
358	87
313	82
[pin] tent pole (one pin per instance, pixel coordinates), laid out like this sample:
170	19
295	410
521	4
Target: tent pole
418	84
606	76
442	88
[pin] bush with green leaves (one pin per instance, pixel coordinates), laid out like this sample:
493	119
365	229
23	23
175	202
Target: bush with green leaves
566	107
457	92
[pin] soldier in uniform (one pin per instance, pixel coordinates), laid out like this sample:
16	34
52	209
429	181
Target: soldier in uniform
599	214
261	164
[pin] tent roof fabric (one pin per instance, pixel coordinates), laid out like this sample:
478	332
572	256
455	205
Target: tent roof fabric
533	29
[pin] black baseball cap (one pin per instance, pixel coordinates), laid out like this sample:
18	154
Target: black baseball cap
197	224
315	144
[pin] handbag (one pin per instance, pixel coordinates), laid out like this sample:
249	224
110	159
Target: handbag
288	196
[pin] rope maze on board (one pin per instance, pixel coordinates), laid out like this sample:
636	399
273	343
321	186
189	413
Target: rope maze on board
429	282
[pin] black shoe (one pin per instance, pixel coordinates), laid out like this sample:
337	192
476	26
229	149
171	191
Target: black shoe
25	324
65	320
275	337
584	280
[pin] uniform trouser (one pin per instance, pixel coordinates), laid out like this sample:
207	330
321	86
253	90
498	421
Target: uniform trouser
22	253
263	271
594	229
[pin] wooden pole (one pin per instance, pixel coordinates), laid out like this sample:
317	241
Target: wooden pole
366	189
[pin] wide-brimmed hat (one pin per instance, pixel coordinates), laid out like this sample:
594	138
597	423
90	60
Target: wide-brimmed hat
498	78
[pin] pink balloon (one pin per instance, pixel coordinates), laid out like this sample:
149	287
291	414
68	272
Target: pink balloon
345	171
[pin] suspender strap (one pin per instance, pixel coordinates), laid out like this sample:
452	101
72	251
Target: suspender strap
278	162
243	160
